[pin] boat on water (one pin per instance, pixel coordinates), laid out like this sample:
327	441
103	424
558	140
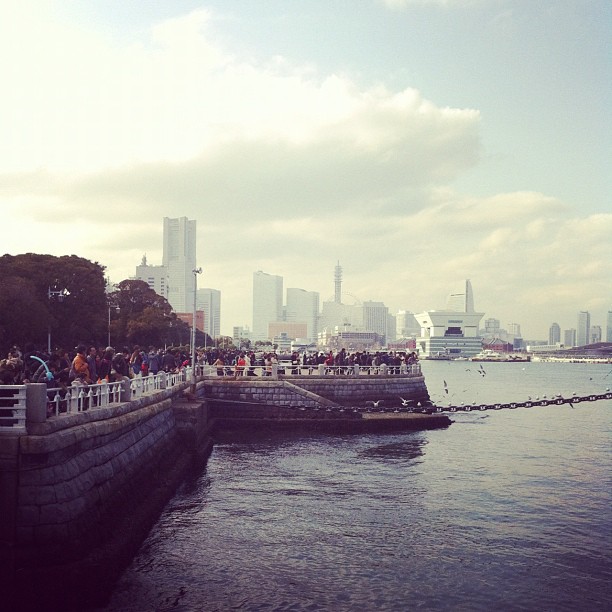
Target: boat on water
490	355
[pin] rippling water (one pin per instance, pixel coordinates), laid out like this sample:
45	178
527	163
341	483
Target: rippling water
505	509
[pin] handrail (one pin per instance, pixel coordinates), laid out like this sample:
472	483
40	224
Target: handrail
289	369
12	408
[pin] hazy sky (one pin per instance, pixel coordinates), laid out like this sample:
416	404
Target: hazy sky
418	142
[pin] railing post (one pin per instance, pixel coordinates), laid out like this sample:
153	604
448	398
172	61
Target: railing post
125	394
321	369
36	403
275	371
383	369
356	369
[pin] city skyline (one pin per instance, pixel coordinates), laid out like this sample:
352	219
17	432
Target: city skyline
415	141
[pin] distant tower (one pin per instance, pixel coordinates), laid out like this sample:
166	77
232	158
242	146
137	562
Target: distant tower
267	303
609	327
584	327
554	334
338	284
462	300
179	258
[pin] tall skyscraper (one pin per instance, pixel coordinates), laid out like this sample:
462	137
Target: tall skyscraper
461	300
209	301
554	334
267	303
595	334
609	326
569	337
303	307
179	258
584	327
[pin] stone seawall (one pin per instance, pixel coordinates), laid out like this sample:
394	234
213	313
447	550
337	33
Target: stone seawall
312	391
84	490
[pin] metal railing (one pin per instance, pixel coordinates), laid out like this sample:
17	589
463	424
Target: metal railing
80	397
12	408
284	369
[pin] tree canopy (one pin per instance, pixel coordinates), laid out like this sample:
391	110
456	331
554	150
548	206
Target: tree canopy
66	297
43	294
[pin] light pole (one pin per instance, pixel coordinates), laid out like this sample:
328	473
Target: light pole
195	271
60	295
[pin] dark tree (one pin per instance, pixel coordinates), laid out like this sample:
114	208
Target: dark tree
61	295
141	316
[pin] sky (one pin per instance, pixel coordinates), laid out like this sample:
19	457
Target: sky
417	142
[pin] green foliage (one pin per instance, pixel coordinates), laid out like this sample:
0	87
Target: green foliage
43	293
141	316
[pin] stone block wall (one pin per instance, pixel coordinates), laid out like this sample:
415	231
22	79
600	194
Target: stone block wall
312	391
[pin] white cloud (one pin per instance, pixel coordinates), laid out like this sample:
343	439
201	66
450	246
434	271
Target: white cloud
285	169
402	4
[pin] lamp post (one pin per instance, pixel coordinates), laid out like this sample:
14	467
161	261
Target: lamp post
60	295
195	271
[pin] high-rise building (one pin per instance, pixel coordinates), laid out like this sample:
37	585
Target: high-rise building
583	329
155	276
595	334
303	307
461	300
569	337
375	318
609	326
179	258
209	302
267	303
554	334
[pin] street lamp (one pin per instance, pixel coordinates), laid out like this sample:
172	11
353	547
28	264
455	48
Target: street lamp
60	295
195	271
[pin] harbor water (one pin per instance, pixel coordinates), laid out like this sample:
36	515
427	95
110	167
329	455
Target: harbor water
507	510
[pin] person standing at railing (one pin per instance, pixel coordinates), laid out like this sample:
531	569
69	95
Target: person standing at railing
121	365
80	368
154	359
136	360
93	363
12	368
106	364
240	364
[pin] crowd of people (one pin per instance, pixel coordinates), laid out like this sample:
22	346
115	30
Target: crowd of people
89	364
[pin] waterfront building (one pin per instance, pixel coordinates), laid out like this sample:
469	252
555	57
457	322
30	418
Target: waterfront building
609	326
209	302
454	331
179	259
492	328
375	317
569	337
595	334
583	328
350	340
187	317
406	324
303	307
155	276
267	303
293	331
554	334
